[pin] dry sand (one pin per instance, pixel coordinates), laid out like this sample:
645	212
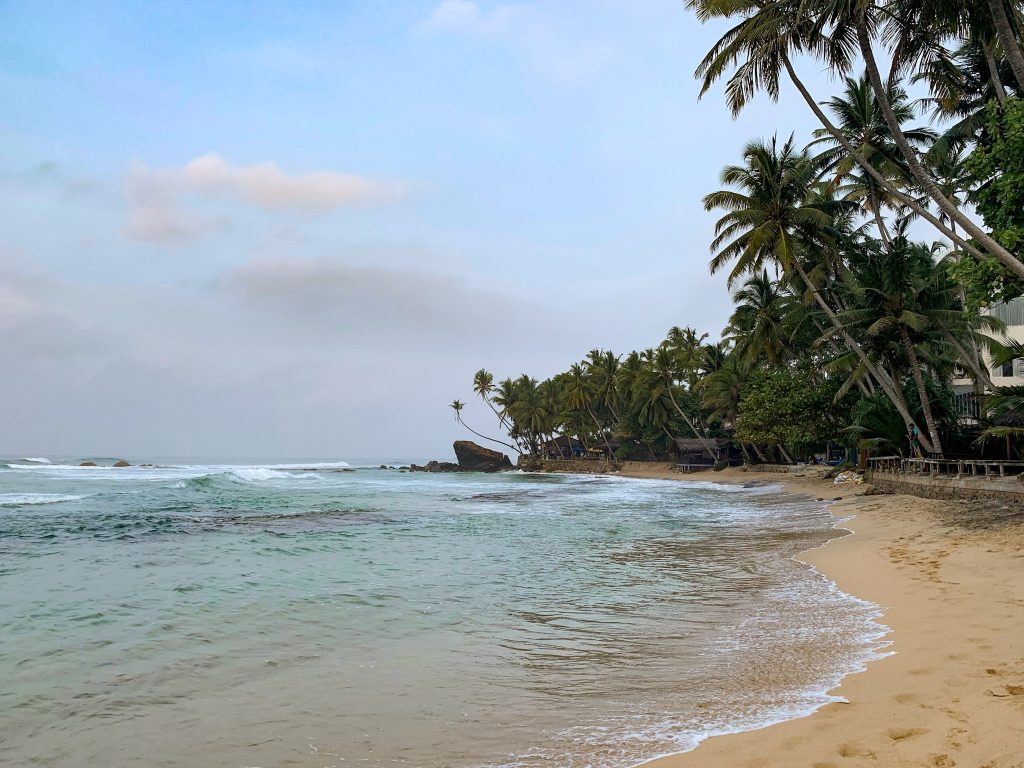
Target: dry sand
950	577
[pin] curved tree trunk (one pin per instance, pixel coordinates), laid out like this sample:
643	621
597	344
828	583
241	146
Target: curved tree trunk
993	72
785	455
883	231
886	184
1008	40
703	438
485	437
981	376
884	380
501	420
921	176
922	393
601	431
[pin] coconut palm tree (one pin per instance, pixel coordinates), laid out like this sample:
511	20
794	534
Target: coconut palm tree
769	220
483	385
457	406
581	396
760	47
902	296
866	18
858	117
758	323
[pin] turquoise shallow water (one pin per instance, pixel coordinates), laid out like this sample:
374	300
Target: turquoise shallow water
206	615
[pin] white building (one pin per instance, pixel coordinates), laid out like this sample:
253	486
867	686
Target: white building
1007	375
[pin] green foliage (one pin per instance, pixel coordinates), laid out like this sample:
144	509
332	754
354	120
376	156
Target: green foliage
791	406
998	164
984	283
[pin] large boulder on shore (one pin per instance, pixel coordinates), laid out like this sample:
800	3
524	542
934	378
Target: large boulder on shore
476	458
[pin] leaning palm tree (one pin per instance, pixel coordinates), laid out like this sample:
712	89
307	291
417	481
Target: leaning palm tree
760	47
483	385
457	406
770	219
858	117
903	296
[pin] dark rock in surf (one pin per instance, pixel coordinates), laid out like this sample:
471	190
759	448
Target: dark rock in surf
122	463
476	458
435	466
88	464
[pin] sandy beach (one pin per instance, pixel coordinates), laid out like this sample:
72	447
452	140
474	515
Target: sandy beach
950	577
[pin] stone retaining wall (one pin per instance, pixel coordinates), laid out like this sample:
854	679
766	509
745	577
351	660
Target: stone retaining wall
970	489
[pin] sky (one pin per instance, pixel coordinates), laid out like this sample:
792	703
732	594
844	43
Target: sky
256	229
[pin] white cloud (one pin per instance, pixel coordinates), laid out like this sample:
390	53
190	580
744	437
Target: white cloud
155	195
521	27
267	186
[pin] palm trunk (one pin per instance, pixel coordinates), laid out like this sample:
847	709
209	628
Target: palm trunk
501	420
786	456
884	380
1008	40
485	437
883	232
703	439
559	447
922	393
993	71
921	176
981	376
760	454
886	184
601	431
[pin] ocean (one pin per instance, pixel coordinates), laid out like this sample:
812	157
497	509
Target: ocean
305	614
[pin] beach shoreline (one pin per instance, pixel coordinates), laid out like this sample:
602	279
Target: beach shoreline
949	577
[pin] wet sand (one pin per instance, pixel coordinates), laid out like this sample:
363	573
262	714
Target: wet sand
950	577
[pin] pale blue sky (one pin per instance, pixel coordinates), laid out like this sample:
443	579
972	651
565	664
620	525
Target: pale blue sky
264	228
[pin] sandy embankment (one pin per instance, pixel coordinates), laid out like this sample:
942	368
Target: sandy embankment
950	577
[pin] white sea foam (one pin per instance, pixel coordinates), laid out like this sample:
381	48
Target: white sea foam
260	474
22	499
309	465
36	460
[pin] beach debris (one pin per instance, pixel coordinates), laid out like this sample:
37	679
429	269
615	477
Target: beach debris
848	476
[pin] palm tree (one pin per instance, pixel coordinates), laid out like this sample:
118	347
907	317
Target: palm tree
457	406
903	296
666	367
768	220
859	118
865	16
483	385
759	48
582	397
757	325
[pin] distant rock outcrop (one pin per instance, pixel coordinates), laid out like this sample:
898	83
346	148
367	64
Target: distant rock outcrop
88	464
435	466
476	458
121	463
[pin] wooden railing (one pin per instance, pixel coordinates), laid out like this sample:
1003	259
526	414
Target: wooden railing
947	467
